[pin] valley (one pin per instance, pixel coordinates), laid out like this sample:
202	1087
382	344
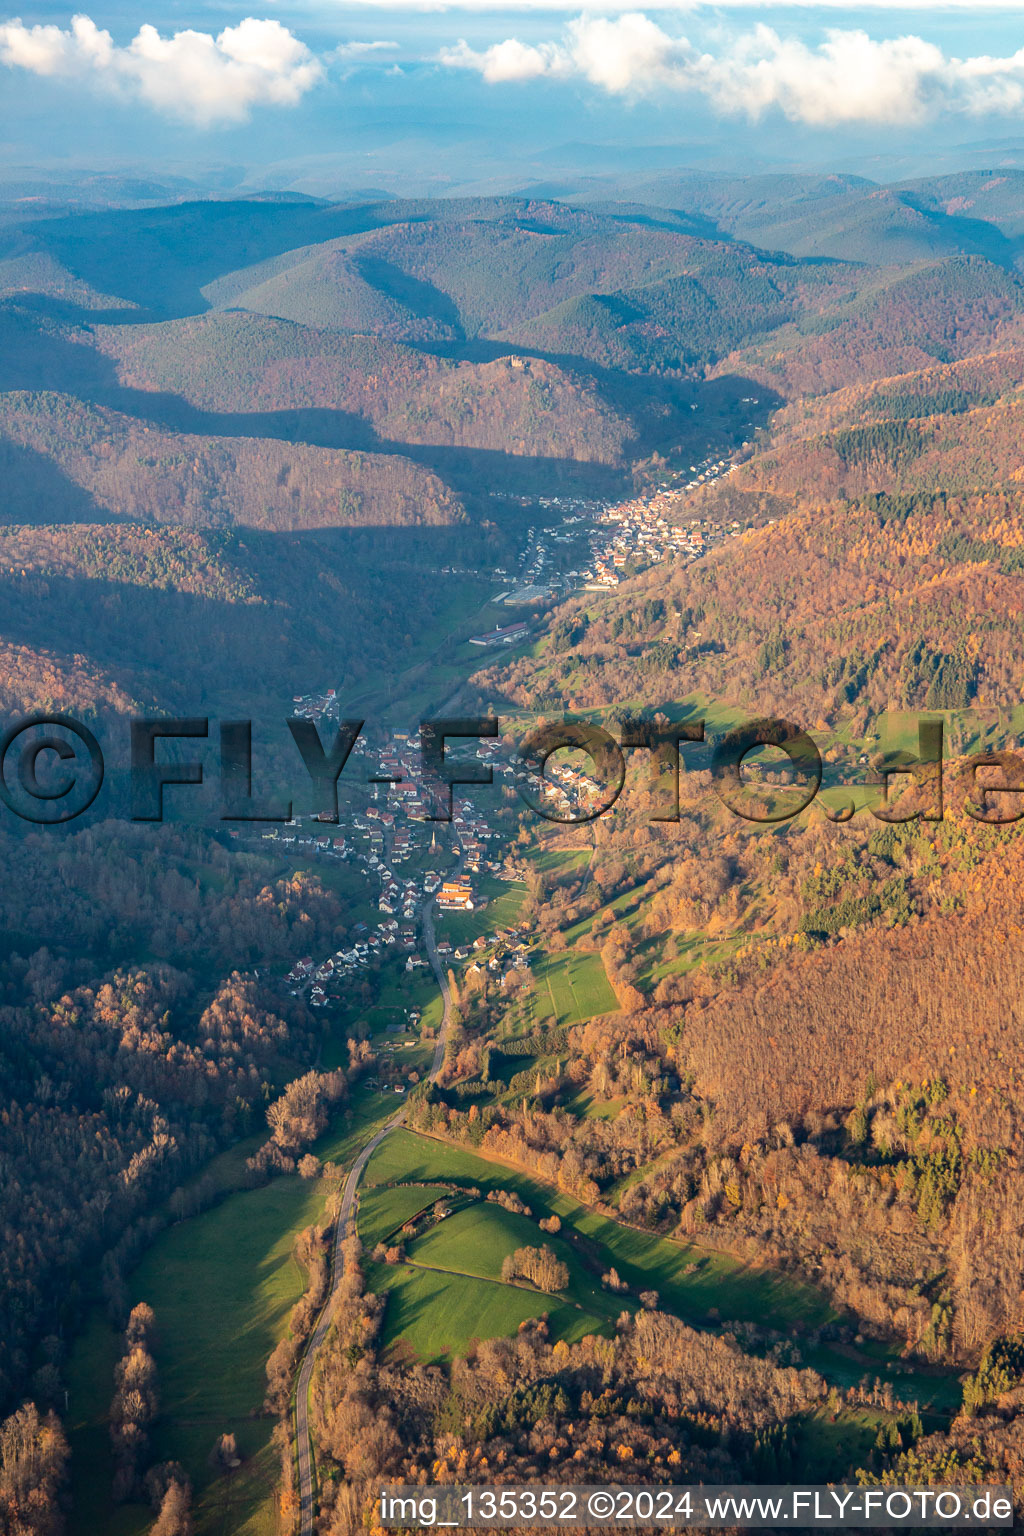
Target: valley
614	1149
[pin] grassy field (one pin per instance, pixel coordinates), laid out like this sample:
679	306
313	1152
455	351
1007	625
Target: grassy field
347	1133
582	1103
437	1315
562	988
715	1286
504	900
569	988
691	950
401	990
398	992
703	1286
222	1285
450	1292
90	1376
382	1211
475	1241
561	859
623	909
846	1441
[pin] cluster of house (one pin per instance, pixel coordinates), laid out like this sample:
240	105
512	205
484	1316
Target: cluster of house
603	539
570	792
316	706
312	838
399	904
324	979
503	956
535	557
536	575
471	829
383	837
646	530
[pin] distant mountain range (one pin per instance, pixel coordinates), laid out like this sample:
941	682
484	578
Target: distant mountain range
288	366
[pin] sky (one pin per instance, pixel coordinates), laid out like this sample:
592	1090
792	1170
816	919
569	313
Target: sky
470	95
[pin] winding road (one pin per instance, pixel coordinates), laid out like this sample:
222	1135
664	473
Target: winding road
346	1214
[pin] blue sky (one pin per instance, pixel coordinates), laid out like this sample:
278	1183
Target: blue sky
470	95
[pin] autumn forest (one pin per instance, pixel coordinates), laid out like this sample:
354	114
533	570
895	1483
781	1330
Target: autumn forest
619	1147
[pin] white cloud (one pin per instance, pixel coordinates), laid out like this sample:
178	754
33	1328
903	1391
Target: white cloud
849	78
616	54
192	75
976	7
510	60
362	50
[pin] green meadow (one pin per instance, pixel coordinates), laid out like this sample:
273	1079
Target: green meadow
701	1285
222	1286
450	1291
382	1212
504	900
571	987
435	1315
704	1286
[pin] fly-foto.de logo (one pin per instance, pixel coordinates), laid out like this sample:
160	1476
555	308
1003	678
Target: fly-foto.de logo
52	769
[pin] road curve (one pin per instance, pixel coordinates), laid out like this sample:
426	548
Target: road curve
346	1213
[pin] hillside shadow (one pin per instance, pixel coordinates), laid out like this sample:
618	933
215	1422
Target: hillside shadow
331	607
38	359
974	237
635	393
162	258
44	494
421	299
665	411
677	221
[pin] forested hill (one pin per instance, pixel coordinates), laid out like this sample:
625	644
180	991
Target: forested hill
300	369
240	363
954	428
124	468
850	218
836	612
114	618
898	320
836	997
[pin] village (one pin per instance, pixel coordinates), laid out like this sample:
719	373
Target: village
597	544
406	862
594	546
405	858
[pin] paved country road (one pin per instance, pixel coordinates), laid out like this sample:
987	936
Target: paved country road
346	1215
